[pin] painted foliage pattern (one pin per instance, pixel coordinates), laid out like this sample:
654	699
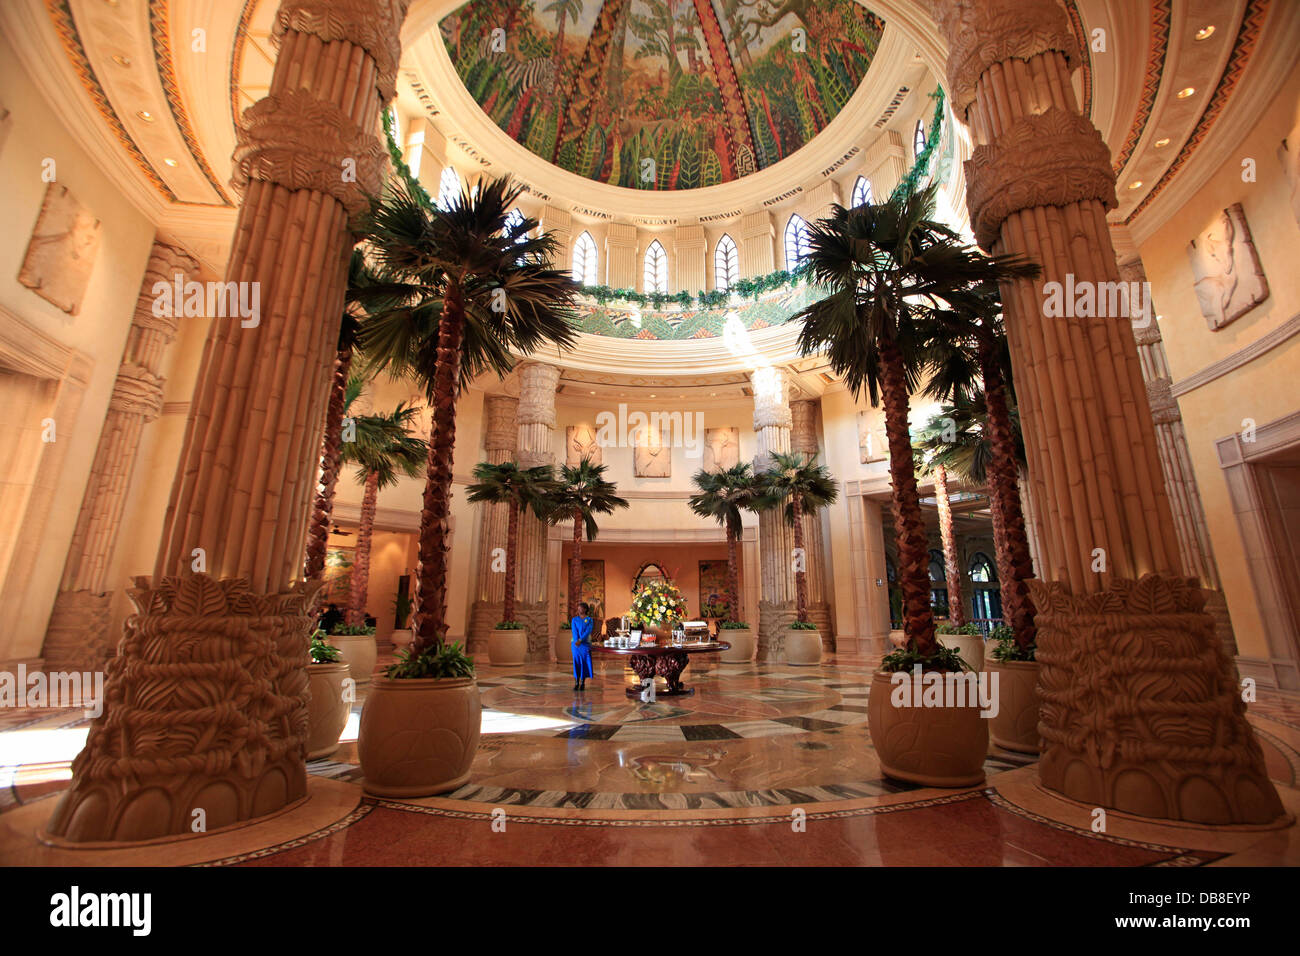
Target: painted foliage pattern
708	90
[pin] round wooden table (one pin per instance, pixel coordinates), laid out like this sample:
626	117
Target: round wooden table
661	660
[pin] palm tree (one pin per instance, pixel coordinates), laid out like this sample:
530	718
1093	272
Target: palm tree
948	536
804	488
383	451
889	267
722	497
465	287
521	489
582	493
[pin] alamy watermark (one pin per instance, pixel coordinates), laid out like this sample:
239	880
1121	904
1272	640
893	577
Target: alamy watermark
949	689
622	429
217	300
1098	300
83	689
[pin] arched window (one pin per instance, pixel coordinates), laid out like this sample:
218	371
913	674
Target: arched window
982	570
656	269
938	585
796	241
726	264
584	260
937	572
448	187
918	139
862	191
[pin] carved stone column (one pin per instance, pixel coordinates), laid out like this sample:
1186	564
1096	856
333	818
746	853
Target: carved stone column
78	634
207	702
621	266
776	606
500	437
757	252
536	444
804	414
1176	463
1140	709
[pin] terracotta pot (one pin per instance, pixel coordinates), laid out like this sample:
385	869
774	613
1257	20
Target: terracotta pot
1016	725
508	648
402	638
418	737
742	644
969	646
327	711
932	746
359	652
803	648
564	645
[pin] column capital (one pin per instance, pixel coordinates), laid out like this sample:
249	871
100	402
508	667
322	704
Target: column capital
803	425
137	391
537	383
771	398
981	33
373	25
1052	158
500	430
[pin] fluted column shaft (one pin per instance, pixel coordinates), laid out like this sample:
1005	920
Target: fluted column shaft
776	605
536	418
803	439
501	435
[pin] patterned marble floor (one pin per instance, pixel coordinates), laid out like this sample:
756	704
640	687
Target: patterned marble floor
712	778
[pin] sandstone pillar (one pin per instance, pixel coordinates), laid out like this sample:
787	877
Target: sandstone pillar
536	447
206	702
1140	709
500	437
804	415
776	606
78	635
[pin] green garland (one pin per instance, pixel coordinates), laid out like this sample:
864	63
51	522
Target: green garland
399	163
922	165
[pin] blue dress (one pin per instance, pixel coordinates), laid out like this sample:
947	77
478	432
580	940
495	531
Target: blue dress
581	648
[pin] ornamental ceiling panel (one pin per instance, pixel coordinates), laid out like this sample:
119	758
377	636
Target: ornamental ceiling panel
662	94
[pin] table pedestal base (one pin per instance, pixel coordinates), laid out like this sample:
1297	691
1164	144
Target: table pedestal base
666	664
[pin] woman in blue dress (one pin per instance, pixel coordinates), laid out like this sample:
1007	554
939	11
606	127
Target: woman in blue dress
582	626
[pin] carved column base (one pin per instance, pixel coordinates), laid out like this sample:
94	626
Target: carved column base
484	617
774	619
1140	708
205	709
78	636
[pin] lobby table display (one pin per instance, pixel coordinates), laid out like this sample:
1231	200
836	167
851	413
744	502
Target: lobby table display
666	660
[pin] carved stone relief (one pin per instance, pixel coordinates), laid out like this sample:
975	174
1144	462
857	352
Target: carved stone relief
1288	154
580	442
721	448
62	250
872	443
1229	279
652	454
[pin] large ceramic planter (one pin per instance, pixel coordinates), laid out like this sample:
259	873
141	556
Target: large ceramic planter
932	746
359	652
402	638
1016	725
742	644
564	645
508	648
327	711
969	646
418	737
803	648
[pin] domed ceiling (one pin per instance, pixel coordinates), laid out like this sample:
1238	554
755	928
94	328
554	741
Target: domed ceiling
662	94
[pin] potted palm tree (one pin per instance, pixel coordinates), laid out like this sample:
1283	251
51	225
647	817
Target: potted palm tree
462	288
722	496
794	482
888	269
581	494
402	606
383	450
331	702
520	489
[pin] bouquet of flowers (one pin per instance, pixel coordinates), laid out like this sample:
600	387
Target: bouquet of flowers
659	604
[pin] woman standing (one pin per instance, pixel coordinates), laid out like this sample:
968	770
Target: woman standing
582	626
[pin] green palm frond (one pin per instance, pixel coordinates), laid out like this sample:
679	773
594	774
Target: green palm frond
795	475
583	490
956	437
530	489
382	443
723	495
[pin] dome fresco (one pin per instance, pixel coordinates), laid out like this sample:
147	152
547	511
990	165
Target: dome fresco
662	94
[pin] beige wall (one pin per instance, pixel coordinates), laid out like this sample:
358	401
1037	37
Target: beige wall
1261	390
623	561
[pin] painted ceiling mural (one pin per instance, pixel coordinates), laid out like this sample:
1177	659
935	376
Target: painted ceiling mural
662	94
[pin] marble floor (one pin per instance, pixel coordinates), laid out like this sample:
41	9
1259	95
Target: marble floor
763	765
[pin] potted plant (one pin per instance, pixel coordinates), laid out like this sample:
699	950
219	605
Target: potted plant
657	607
1015	726
508	644
402	607
793	480
564	642
722	496
420	725
966	640
581	494
331	703
356	644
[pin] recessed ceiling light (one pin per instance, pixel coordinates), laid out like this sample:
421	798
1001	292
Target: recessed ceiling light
1135	184
1186	91
593	393
713	394
169	161
652	396
1204	33
145	115
121	60
1162	142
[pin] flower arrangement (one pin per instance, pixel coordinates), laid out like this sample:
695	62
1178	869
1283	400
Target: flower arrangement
658	604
